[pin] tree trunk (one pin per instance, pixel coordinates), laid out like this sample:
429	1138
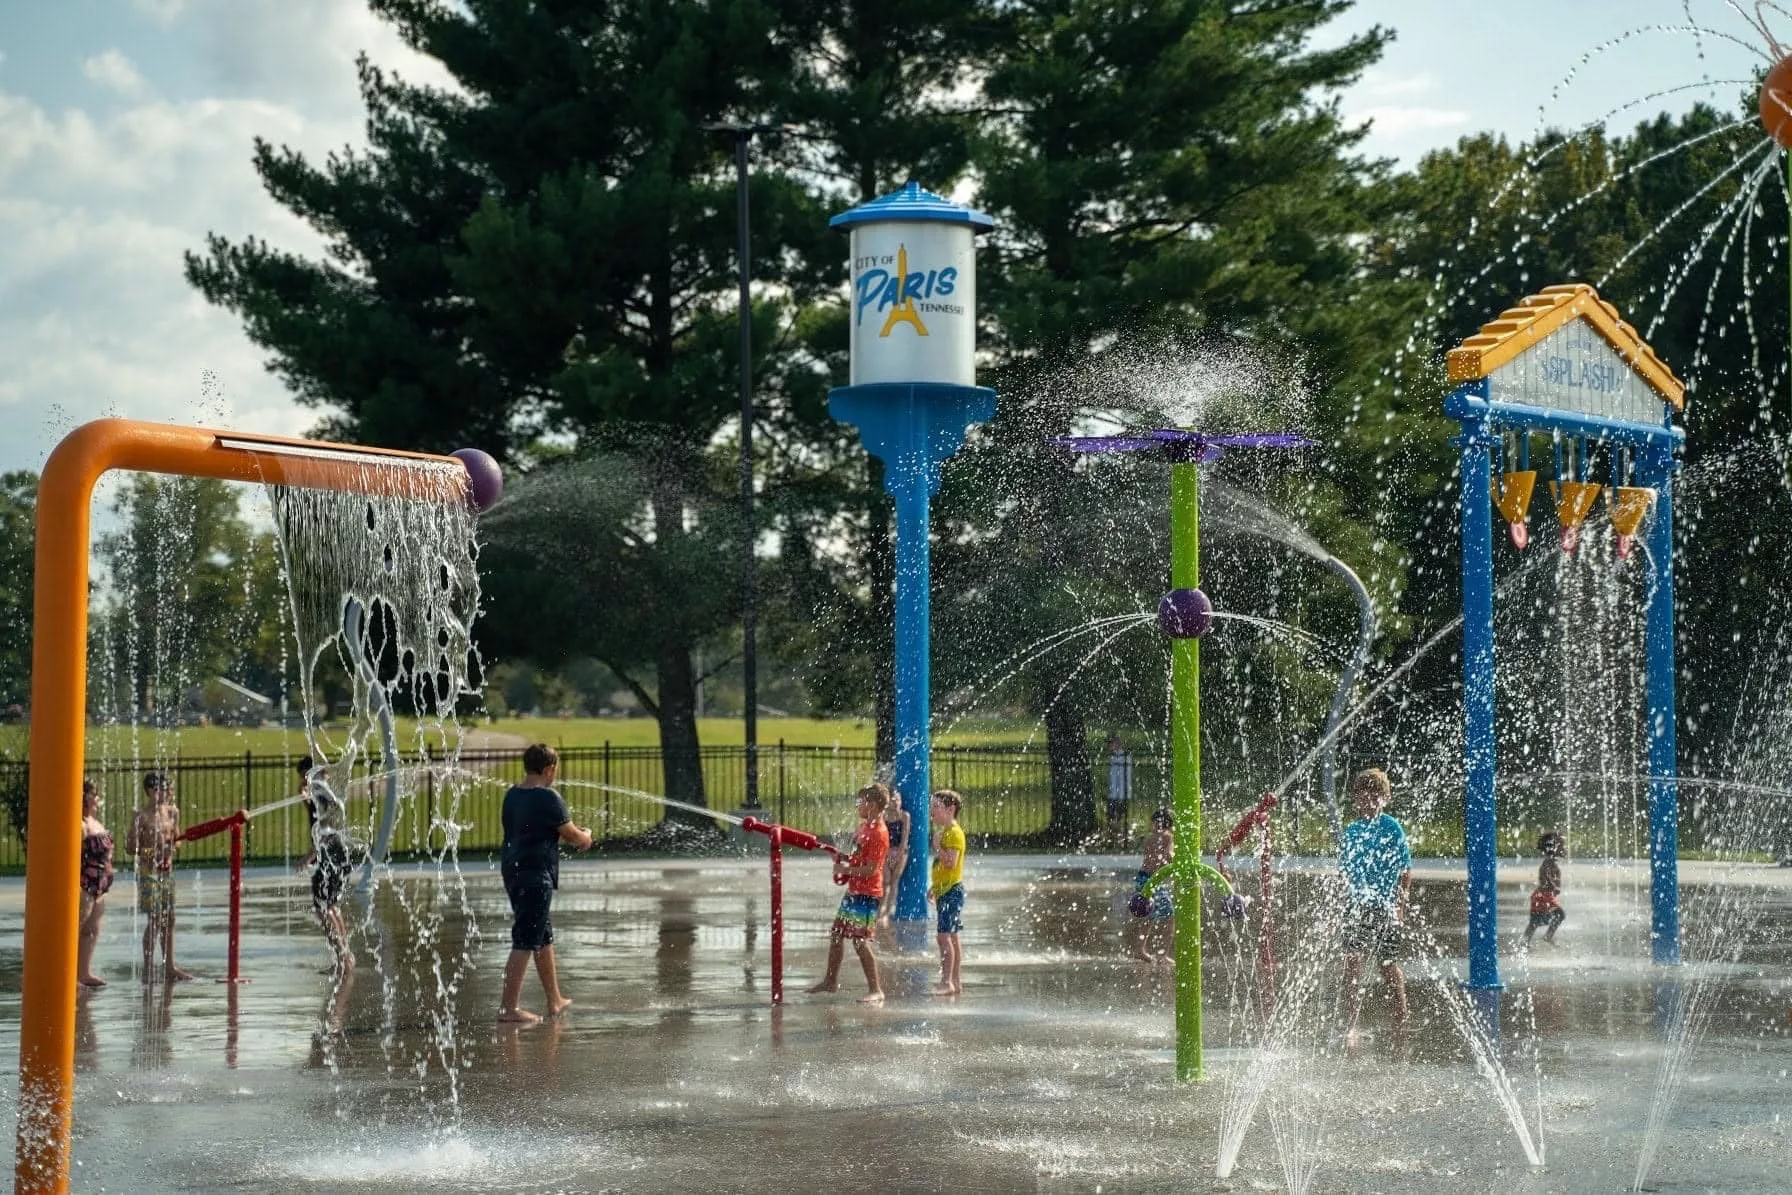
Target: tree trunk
683	762
1073	791
880	559
680	758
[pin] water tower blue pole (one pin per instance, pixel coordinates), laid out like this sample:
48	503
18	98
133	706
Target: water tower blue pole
1659	467
1480	830
913	327
912	429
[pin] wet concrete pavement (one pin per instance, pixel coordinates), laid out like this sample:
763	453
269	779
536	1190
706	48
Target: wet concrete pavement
1054	1071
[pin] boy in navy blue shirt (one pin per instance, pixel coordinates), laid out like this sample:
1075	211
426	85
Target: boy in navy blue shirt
535	824
1377	867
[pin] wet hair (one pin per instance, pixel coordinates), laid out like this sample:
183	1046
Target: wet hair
538	758
305	766
1163	819
89	788
1373	781
153	781
950	800
1551	841
877	793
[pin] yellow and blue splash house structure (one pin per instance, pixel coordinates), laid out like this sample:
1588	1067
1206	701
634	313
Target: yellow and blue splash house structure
1561	372
913	395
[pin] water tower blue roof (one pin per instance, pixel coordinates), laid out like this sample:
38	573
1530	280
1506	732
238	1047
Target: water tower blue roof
913	205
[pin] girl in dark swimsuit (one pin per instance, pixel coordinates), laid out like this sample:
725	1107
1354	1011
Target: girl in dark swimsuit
896	821
96	881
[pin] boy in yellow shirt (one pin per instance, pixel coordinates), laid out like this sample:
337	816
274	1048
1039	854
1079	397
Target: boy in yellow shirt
947	888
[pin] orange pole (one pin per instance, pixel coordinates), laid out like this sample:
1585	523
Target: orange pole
59	708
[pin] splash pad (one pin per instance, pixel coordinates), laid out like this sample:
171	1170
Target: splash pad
59	701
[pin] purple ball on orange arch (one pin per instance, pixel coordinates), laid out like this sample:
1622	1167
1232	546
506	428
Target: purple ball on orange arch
1184	614
485	481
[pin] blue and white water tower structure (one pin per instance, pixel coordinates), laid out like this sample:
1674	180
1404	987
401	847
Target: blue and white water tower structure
913	396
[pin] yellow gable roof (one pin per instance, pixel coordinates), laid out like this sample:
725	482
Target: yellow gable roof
1523	326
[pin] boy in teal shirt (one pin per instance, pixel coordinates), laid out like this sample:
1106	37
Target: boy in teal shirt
1377	867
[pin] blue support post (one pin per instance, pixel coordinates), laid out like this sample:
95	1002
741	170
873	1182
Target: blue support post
912	428
1480	844
1664	788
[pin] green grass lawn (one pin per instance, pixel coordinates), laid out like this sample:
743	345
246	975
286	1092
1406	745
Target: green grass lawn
192	742
727	732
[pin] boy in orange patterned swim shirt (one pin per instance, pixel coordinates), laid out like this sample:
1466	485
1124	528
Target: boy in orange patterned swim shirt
864	874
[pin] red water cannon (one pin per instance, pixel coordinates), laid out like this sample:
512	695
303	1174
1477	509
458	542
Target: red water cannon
217	825
1257	817
781	837
788	836
234	823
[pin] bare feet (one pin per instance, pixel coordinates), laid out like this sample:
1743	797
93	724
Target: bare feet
176	975
517	1016
91	981
559	1006
1139	956
872	998
945	989
824	986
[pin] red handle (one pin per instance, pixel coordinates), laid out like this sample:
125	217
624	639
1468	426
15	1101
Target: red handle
216	826
1250	821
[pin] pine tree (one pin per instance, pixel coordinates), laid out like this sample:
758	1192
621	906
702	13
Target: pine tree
877	95
1161	171
547	248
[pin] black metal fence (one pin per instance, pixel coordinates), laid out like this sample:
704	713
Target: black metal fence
1007	793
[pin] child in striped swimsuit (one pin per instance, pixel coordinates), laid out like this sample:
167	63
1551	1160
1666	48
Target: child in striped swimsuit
96	881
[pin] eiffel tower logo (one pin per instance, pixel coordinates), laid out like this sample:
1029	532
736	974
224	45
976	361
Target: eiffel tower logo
903	311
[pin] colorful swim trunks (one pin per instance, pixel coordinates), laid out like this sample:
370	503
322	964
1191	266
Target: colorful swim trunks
155	893
856	917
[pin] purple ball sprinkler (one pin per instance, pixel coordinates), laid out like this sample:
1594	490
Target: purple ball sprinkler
1185	614
485	481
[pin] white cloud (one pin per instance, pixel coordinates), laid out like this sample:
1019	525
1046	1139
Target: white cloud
302	53
1382	84
98	204
1395	120
113	71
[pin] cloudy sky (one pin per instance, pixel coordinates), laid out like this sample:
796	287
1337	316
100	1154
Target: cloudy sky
126	130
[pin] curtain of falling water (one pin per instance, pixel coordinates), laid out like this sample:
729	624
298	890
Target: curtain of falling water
405	566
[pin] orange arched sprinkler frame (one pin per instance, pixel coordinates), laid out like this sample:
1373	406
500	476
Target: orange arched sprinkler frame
59	707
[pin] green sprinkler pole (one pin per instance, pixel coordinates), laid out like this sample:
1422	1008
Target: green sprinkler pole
1185	770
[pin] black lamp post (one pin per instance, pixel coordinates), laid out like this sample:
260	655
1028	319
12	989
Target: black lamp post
749	606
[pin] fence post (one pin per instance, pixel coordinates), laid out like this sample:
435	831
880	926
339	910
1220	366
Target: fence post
248	793
952	768
606	788
429	824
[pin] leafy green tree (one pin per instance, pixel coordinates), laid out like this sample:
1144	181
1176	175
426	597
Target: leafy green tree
573	570
180	605
1666	221
875	93
549	248
1167	176
18	520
